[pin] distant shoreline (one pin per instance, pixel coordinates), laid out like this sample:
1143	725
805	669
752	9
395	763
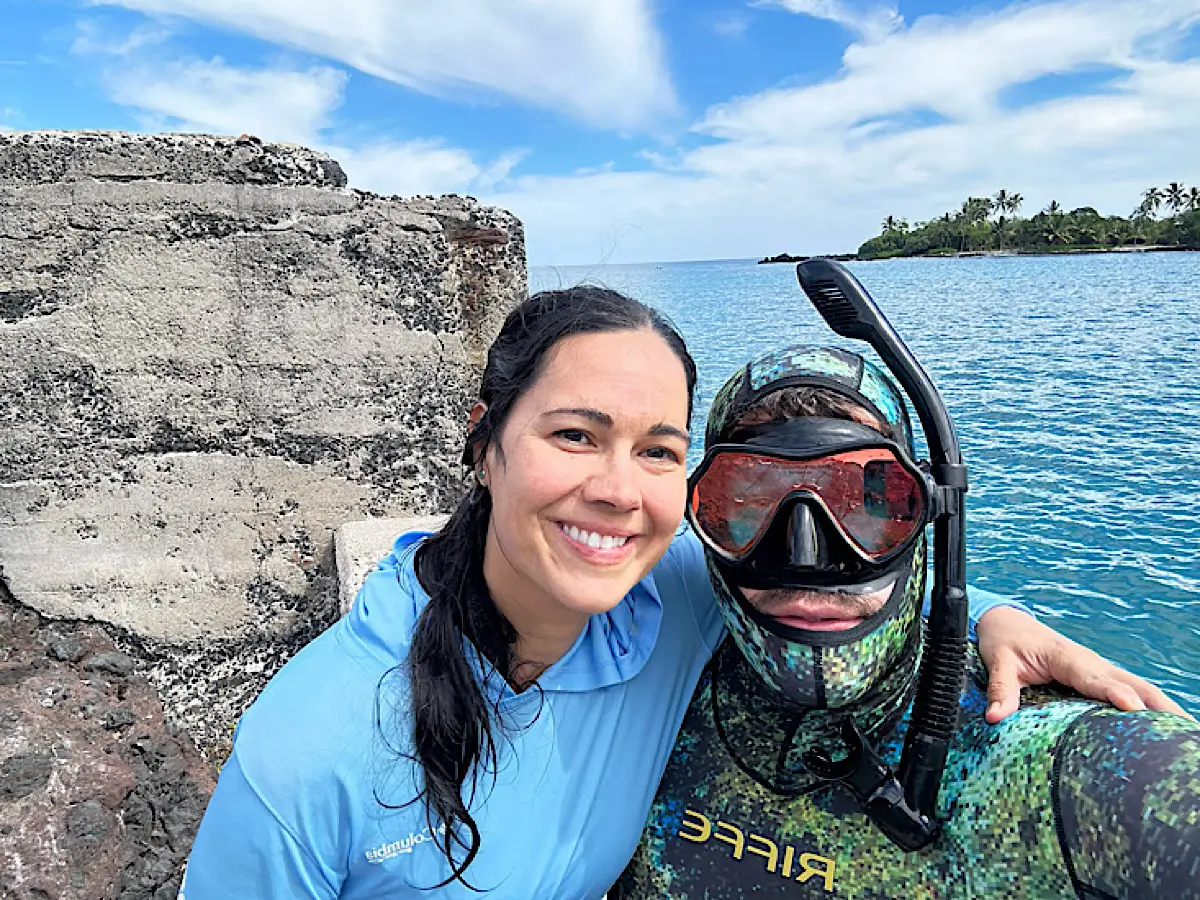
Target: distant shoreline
977	254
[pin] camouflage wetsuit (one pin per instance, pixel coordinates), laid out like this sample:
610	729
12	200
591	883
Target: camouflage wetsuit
1063	799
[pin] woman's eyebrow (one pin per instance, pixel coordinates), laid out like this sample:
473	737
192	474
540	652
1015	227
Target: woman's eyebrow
594	415
664	430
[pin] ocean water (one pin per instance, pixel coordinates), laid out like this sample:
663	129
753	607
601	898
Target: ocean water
1074	383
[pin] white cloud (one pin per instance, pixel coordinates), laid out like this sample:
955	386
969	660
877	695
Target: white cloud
211	96
955	67
420	167
601	62
811	169
295	106
93	37
731	26
871	21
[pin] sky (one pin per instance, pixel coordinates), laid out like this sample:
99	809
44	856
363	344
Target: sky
650	130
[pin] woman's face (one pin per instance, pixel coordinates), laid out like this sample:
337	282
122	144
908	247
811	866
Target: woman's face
589	483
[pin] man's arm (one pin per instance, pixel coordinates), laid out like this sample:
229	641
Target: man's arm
1019	652
1126	790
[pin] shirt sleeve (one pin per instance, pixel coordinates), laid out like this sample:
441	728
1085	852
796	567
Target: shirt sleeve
244	850
979	601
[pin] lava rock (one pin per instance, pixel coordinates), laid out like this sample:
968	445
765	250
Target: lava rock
111	663
66	648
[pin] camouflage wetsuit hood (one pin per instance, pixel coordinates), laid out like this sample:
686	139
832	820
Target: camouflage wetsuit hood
874	664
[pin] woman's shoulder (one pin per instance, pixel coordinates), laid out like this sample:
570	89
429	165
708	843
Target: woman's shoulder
681	580
318	708
325	704
315	745
314	760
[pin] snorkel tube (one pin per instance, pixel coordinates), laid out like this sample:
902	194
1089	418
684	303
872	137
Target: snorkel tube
911	820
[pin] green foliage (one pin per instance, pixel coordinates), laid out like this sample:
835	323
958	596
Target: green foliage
972	228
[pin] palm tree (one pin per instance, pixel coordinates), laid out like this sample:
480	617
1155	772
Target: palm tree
1151	200
889	224
1001	201
1055	231
1014	203
976	209
1175	196
1138	227
1053	209
1194	199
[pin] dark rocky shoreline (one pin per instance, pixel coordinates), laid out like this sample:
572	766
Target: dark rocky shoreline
99	797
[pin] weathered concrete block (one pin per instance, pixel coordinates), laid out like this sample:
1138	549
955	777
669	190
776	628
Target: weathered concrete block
359	546
211	355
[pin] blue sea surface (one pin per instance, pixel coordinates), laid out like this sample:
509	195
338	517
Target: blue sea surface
1074	383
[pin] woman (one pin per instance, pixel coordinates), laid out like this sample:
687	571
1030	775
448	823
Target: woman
496	710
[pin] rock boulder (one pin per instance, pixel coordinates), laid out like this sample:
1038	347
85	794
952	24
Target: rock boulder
212	353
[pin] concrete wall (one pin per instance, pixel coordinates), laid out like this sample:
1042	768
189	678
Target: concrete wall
211	355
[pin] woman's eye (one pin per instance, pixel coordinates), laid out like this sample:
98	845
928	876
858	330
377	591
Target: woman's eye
572	435
665	453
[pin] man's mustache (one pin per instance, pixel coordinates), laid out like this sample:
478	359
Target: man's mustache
781	600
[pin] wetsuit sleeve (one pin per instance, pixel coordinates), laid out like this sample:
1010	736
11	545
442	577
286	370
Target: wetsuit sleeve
1127	803
244	850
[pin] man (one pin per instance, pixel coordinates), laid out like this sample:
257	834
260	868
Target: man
813	512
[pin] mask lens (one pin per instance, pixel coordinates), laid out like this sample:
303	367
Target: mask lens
875	500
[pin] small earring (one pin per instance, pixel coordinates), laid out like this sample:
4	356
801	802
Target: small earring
481	475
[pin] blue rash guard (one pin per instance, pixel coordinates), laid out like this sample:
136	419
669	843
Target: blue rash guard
315	799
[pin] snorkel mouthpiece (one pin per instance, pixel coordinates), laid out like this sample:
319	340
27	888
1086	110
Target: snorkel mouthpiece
849	310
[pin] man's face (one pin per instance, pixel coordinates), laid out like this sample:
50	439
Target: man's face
825	610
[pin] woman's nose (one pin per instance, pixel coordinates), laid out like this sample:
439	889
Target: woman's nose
614	483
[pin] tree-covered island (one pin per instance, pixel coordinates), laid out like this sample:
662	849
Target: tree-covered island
992	225
1166	219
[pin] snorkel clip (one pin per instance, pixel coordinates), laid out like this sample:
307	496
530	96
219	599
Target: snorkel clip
871	781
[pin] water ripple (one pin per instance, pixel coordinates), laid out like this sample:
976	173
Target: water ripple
1075	386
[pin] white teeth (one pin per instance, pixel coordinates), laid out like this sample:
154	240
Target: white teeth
594	539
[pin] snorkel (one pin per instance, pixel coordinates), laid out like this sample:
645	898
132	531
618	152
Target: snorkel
905	808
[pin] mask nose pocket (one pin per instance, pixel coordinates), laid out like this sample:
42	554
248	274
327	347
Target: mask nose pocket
804	542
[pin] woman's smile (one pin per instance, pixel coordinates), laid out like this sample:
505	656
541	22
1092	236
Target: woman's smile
599	546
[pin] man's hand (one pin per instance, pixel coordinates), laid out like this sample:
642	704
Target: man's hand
1019	651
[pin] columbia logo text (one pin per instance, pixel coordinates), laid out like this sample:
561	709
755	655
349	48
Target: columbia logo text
398	848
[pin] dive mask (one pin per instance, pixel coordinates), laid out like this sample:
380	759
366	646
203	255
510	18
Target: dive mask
808	502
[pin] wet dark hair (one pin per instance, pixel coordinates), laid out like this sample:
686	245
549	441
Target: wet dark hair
453	722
